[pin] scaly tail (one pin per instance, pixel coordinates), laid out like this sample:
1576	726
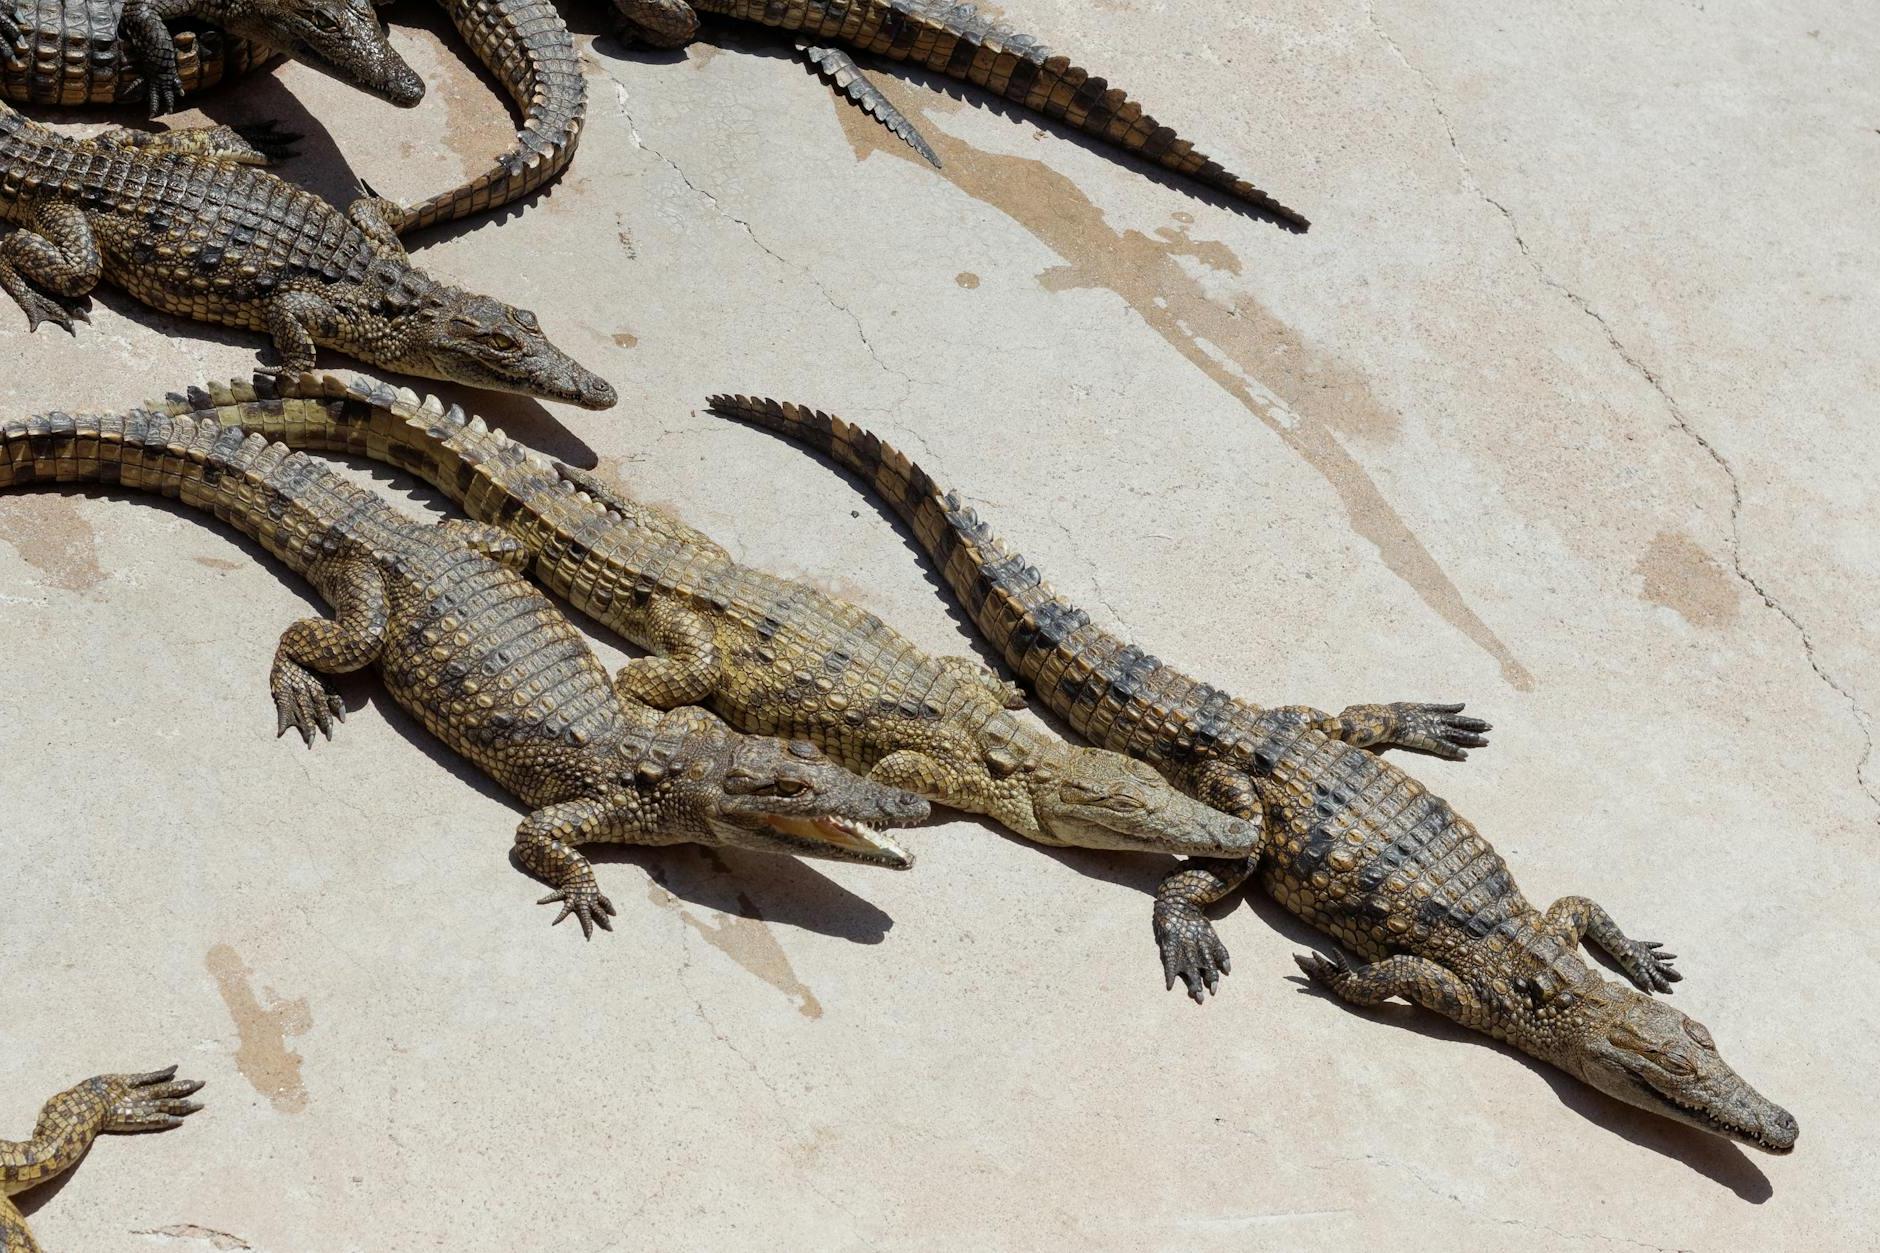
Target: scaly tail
961	43
528	47
1109	691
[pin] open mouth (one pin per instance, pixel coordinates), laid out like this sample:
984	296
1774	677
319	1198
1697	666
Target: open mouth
1705	1118
858	838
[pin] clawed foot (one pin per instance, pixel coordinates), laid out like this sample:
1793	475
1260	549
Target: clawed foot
1191	951
1322	970
586	902
148	1102
41	307
269	141
1648	966
1439	730
303	700
163	93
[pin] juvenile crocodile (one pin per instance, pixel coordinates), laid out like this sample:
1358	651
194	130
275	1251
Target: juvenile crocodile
70	1121
74	52
955	41
469	647
182	222
770	655
1349	843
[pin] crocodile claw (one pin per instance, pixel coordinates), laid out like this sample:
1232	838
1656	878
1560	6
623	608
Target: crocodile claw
1649	967
303	700
148	1102
1191	950
41	308
587	903
1439	730
162	93
272	142
1322	970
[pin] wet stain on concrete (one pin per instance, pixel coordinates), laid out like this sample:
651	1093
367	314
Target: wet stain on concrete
53	538
746	939
1305	398
625	339
262	1054
217	563
1680	575
966	279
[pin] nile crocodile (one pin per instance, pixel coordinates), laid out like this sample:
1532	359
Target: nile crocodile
70	1121
182	222
72	52
960	43
470	648
770	655
1349	843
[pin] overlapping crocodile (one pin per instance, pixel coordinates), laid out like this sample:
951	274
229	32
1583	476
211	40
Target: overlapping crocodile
1349	843
68	1124
74	52
183	222
770	655
958	42
473	650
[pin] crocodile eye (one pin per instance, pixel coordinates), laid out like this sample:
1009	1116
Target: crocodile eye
1123	803
324	21
501	342
1676	1063
791	787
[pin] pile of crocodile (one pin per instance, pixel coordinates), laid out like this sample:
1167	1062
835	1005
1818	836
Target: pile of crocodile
767	715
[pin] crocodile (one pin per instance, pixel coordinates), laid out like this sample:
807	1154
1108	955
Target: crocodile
956	42
770	655
475	652
75	52
184	222
70	1121
1349	843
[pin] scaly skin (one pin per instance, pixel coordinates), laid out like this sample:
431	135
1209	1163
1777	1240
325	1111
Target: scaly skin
769	655
182	222
959	43
74	52
1349	843
70	1121
528	49
471	649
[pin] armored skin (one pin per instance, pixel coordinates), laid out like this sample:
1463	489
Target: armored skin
183	222
1349	843
73	52
769	655
476	653
960	43
70	1121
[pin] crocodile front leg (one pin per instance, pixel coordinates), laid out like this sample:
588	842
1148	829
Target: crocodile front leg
1437	730
292	319
687	669
49	264
545	845
1191	949
145	34
312	647
1416	979
68	1124
1645	964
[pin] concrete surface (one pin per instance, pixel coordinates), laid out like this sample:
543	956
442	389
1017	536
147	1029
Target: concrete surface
1565	408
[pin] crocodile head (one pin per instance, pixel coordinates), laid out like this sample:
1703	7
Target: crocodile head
343	38
446	333
1092	798
1642	1051
768	795
657	23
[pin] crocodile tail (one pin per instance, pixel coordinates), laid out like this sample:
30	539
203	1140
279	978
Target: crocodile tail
529	49
1109	691
957	41
291	504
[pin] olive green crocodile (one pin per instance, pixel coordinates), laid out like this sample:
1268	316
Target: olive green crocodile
74	52
68	1124
958	42
770	655
1349	842
182	222
474	651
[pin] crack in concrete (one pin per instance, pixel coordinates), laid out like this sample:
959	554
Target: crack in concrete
861	332
1863	721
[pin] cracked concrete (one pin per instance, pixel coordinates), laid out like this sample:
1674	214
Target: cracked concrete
1564	407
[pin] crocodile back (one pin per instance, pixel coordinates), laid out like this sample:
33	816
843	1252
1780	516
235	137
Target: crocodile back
528	48
68	54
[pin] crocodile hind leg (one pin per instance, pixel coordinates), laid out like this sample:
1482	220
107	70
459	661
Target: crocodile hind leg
1416	727
687	668
312	647
49	264
545	845
838	69
1644	961
1416	979
69	1123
